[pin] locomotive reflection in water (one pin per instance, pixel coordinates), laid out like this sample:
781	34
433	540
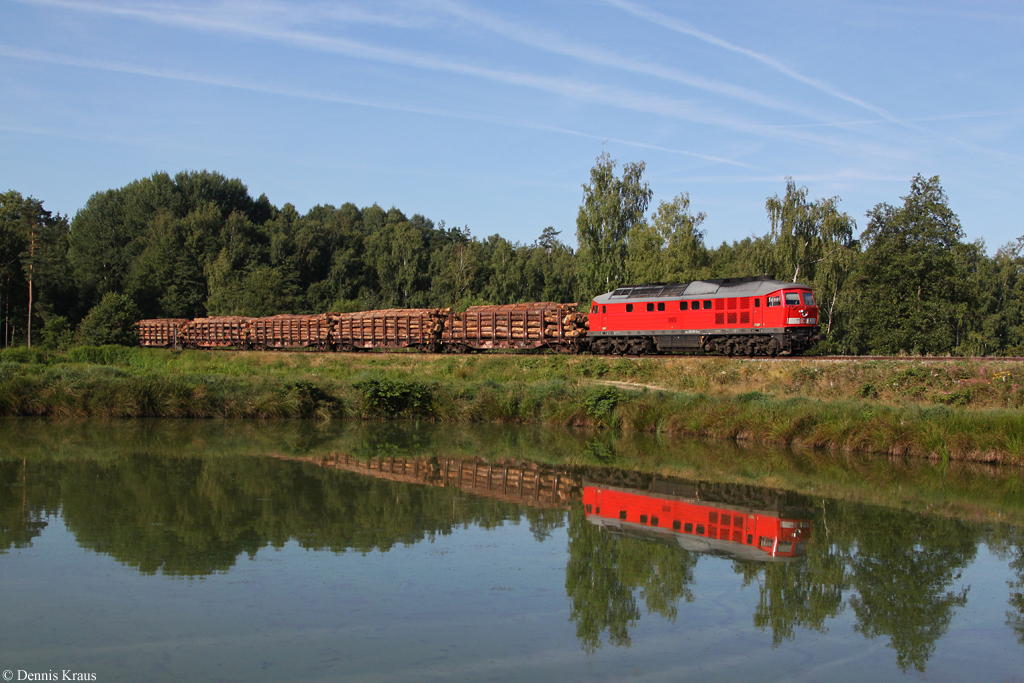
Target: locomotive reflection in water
703	518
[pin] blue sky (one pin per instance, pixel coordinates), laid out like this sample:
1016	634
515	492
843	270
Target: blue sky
490	115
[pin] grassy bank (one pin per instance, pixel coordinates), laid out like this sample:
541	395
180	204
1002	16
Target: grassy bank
967	410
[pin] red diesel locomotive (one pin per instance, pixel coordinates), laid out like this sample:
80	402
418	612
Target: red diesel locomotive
733	316
697	525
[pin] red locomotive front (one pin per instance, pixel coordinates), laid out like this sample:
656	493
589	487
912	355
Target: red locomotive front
746	316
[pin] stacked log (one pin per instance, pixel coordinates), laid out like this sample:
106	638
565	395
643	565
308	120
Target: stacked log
291	331
160	332
216	332
530	322
389	327
575	324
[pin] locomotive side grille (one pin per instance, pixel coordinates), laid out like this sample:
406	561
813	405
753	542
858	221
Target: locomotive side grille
719	304
745	317
745	302
730	318
719	318
732	304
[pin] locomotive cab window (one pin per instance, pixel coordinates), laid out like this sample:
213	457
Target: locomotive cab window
694	305
792	299
594	309
629	308
808	299
774	301
682	305
650	307
661	306
707	305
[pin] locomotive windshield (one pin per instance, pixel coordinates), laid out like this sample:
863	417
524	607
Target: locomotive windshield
808	299
792	298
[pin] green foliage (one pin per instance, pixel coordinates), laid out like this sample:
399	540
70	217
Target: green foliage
389	398
21	354
197	244
57	334
612	207
601	403
100	355
670	248
111	321
913	294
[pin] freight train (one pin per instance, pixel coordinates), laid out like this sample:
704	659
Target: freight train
735	316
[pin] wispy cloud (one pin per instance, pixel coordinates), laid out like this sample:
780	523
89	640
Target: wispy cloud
582	91
551	41
291	92
684	28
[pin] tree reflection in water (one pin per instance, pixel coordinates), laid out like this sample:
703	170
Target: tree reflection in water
903	567
605	572
897	571
1015	617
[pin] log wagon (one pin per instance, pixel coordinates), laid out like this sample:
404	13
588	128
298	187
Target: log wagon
220	332
160	332
515	326
292	332
393	328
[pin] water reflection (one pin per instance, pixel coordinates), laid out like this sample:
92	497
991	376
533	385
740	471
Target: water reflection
713	519
635	540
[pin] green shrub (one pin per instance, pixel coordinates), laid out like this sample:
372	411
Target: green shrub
388	398
100	355
601	403
23	354
57	334
111	321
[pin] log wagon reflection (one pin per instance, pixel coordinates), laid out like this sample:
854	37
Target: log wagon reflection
701	521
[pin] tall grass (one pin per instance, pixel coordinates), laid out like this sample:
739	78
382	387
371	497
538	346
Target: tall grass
915	409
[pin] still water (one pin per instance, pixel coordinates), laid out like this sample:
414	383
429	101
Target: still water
239	552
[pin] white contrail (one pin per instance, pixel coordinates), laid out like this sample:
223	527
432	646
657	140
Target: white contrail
177	75
682	27
620	98
551	41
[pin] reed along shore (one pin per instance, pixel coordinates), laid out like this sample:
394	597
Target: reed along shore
961	410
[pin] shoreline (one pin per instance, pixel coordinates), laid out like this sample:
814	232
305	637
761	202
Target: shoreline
965	411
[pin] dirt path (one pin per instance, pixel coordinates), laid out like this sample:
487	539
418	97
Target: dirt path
628	385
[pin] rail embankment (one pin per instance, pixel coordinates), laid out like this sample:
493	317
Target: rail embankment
962	410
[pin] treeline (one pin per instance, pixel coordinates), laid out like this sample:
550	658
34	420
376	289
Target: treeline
198	244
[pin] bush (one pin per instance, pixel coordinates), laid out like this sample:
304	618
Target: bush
99	355
388	398
601	403
56	334
111	321
22	354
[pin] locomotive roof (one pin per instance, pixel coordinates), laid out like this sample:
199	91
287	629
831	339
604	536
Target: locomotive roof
736	286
